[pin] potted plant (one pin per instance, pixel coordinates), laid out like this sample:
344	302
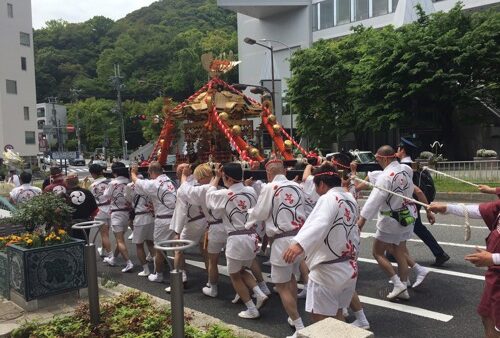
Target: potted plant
44	260
485	155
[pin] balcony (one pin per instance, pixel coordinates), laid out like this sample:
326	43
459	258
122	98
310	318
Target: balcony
261	9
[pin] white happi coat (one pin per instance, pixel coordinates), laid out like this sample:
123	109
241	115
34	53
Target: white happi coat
142	205
196	195
395	177
117	192
330	233
97	188
186	214
310	194
162	193
24	193
281	206
233	203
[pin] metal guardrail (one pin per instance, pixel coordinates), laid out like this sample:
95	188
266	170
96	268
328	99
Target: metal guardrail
476	171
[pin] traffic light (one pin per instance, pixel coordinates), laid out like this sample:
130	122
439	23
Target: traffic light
140	117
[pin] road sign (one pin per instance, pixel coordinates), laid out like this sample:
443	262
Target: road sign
70	128
61	155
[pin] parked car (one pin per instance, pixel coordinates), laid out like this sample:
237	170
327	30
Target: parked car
360	156
77	161
102	163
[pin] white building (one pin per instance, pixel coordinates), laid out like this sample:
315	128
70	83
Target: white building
48	117
17	78
288	25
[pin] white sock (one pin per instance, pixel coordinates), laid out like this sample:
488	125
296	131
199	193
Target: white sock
416	267
145	267
256	289
213	286
360	315
250	305
298	324
262	285
395	280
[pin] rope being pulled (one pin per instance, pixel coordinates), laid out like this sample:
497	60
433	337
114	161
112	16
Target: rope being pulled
452	177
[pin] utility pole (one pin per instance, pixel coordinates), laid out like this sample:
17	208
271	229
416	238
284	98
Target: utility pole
75	93
116	80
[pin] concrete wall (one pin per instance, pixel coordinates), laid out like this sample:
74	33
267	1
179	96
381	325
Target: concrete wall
12	122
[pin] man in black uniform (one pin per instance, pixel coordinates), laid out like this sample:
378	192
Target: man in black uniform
82	201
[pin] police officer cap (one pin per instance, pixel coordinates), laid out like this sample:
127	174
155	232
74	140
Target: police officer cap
233	170
407	144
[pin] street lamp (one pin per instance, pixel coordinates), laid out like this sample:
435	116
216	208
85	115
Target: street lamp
290	52
251	41
126	150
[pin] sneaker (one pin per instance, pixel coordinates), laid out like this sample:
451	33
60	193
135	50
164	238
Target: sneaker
345	312
154	277
441	259
249	314
110	260
302	294
236	299
267	263
149	258
143	274
210	292
421	274
131	236
101	252
184	278
168	289
361	324
396	291
128	267
405	295
260	301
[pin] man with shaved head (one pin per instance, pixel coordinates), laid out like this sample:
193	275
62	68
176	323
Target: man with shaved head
396	218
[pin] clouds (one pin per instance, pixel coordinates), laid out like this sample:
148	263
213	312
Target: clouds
82	10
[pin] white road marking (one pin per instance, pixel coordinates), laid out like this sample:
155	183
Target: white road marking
367	300
441	271
371	234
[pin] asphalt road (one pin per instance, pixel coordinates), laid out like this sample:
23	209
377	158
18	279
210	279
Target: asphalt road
443	306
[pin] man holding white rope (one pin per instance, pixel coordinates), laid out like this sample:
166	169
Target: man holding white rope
396	218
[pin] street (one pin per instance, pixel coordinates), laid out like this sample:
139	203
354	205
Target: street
443	306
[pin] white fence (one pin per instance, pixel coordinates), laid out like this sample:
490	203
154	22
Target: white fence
476	171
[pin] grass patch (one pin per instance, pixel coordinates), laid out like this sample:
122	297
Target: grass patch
132	314
444	184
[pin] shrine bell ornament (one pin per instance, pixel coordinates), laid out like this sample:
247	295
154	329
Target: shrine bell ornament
271	118
288	145
223	116
276	128
254	152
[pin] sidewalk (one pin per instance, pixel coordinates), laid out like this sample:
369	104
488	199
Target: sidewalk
465	197
12	316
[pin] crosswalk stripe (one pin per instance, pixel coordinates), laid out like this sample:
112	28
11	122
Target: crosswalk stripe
367	300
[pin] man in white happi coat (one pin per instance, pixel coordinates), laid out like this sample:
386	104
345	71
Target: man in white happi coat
242	244
143	226
396	218
97	188
25	191
330	241
189	220
117	193
162	192
281	206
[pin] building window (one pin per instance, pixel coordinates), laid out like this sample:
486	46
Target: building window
315	17
394	4
29	137
41	124
24	39
326	14
40	112
343	11
26	113
23	63
380	7
11	86
10	10
361	10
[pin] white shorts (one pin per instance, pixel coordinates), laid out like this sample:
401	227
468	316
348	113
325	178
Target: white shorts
193	234
283	274
119	221
236	265
215	247
327	301
162	233
143	233
393	238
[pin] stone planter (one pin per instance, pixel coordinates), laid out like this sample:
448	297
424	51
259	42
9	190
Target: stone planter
4	275
45	271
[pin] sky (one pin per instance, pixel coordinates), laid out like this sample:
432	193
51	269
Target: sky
82	10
